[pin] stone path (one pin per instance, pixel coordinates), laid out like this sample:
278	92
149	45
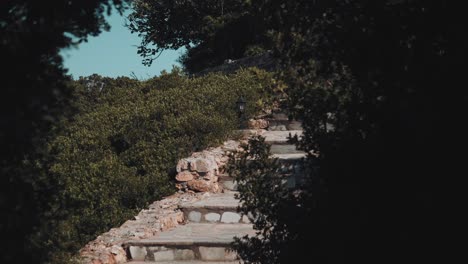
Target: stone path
212	222
186	262
197	224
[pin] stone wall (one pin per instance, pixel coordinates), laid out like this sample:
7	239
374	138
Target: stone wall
160	215
200	171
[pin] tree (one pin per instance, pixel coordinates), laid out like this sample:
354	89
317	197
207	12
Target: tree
383	75
34	97
212	31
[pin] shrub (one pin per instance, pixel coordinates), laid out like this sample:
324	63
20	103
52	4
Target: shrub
119	151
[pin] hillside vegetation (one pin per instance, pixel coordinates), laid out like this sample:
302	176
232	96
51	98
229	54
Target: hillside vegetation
119	151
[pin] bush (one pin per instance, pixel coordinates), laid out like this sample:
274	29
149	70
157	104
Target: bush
119	151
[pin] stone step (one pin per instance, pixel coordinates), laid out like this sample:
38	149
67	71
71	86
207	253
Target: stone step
282	158
279	116
291	179
295	125
184	262
279	137
285	149
283	118
283	125
197	242
228	183
217	208
289	159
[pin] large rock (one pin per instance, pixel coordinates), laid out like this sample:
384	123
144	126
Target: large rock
200	171
119	254
171	220
201	165
230	146
184	176
199	162
182	165
202	186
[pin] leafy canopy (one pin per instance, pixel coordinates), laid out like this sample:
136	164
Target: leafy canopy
34	97
374	83
212	30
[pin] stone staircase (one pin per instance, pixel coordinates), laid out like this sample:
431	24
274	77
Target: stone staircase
212	222
280	122
211	225
288	157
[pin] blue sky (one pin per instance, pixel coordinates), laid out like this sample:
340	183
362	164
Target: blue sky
114	53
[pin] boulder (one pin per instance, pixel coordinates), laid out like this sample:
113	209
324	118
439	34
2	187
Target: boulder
202	186
203	165
184	176
182	165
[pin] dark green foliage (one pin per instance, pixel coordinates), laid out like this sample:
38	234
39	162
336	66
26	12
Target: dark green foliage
212	31
265	200
375	83
281	214
119	152
34	96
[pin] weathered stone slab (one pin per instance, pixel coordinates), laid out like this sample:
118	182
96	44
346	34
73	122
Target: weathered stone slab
289	156
230	185
188	262
212	217
202	165
214	201
294	125
230	217
193	234
182	165
184	176
138	253
163	255
280	137
277	128
201	186
285	149
184	254
216	253
194	216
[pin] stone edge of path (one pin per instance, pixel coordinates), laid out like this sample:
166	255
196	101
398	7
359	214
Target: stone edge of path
159	216
163	214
